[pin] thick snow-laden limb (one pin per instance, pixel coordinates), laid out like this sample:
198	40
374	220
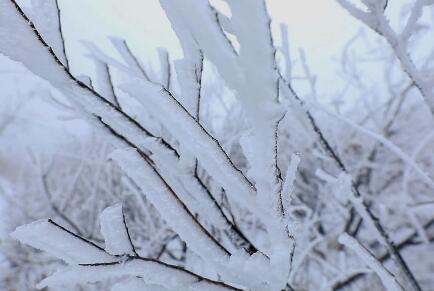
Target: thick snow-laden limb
236	69
389	281
85	94
87	98
170	207
184	17
259	99
189	68
199	199
91	263
18	36
215	46
211	157
185	128
189	73
263	112
149	270
45	64
249	266
174	211
115	232
52	238
377	21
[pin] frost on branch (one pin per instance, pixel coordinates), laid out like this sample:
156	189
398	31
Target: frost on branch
245	213
46	15
113	228
90	263
387	278
18	39
259	100
50	237
376	19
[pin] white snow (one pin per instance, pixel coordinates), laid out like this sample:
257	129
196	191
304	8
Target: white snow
151	272
114	230
46	236
46	19
369	259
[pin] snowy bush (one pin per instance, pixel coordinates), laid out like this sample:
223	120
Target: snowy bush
72	187
286	193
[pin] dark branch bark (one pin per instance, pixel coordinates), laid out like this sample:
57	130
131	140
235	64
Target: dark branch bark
171	267
400	262
87	88
62	36
404	243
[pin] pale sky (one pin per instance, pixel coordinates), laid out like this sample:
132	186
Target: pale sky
321	27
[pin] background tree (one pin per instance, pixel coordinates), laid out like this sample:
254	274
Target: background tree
288	193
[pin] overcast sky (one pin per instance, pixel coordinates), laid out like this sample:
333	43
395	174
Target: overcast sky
321	27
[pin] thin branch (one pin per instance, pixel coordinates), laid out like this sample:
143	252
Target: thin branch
409	240
55	208
169	267
373	219
128	233
76	235
166	69
112	88
136	61
233	228
62	37
203	131
79	83
148	161
388	279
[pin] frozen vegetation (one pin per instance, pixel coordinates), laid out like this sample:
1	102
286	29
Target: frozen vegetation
226	168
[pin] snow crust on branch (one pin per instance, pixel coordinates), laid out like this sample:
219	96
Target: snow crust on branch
369	259
114	230
150	271
49	237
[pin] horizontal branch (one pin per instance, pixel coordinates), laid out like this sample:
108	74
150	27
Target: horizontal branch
150	270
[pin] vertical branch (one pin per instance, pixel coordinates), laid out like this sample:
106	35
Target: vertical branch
166	69
136	61
112	88
379	229
61	33
376	20
128	233
199	74
285	51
